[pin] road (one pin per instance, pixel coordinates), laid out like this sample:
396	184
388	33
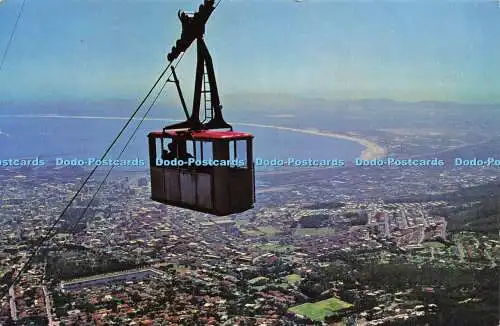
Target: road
48	307
460	249
13	309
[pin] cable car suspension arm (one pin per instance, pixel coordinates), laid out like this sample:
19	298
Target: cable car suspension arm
179	90
193	28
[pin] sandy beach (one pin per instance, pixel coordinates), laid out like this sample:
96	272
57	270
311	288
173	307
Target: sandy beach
372	150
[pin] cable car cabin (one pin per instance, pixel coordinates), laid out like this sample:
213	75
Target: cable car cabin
193	165
206	171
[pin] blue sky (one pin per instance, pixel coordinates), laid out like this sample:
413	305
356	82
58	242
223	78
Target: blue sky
402	50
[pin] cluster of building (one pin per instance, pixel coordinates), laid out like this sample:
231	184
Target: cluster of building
409	224
197	269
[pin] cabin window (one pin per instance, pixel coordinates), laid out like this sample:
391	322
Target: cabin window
191	148
161	145
240	152
207	150
232	150
168	149
198	152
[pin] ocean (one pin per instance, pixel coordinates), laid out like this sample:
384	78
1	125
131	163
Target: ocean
49	138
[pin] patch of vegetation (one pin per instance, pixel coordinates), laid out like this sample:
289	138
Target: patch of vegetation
314	221
66	265
450	286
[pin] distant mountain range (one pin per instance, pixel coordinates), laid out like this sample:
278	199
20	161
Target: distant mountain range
366	114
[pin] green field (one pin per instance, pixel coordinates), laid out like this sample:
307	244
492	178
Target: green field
293	278
268	230
434	244
318	311
252	233
261	230
241	223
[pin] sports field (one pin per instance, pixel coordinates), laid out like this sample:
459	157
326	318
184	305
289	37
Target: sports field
319	310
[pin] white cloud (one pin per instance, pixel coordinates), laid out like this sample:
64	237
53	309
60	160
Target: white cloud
1	132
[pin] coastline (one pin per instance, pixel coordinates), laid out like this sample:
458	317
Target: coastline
372	150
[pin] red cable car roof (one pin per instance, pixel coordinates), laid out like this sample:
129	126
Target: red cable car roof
201	135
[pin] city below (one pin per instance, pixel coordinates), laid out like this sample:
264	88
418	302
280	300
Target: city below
373	245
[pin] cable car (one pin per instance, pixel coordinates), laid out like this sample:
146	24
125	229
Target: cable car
194	164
